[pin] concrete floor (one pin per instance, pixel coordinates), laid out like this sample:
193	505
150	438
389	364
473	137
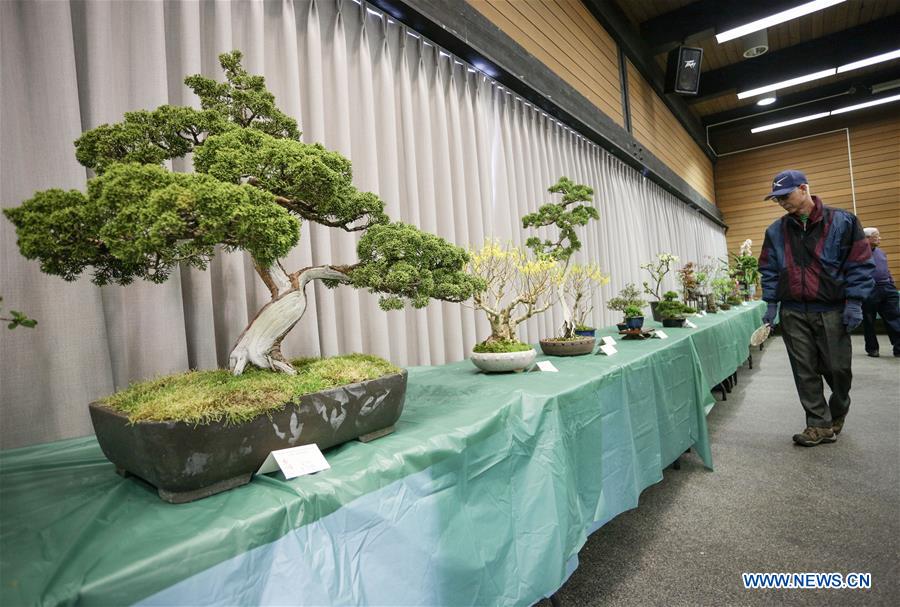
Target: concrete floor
769	506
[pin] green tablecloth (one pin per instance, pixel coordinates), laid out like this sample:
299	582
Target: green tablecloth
483	495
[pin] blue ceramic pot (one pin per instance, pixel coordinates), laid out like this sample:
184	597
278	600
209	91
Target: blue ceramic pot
635	323
588	333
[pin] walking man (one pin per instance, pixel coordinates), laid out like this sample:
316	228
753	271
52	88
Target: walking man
883	300
818	264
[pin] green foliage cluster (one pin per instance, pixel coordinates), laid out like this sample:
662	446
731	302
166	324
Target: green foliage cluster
18	319
633	311
405	262
670	307
563	217
584	328
254	183
499	346
628	296
203	397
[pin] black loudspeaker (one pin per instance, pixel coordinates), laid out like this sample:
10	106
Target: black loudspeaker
683	70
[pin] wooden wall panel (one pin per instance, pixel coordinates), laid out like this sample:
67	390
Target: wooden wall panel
660	132
742	180
565	37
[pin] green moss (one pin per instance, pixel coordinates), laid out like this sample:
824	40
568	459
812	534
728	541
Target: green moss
496	347
202	397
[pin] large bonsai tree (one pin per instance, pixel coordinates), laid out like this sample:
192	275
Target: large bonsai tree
565	215
255	182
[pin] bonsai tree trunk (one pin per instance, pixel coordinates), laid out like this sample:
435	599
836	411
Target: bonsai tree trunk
260	343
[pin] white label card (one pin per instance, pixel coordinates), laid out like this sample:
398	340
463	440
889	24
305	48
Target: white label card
609	341
701	313
660	334
608	349
689	324
743	303
546	365
296	461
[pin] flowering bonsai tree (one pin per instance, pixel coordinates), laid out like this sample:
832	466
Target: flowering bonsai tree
565	215
658	270
581	281
516	288
254	184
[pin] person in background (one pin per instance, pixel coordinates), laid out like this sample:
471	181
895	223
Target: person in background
883	300
817	263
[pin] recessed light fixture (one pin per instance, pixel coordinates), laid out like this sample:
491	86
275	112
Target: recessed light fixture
767	100
778	125
870	61
759	24
786	83
860	106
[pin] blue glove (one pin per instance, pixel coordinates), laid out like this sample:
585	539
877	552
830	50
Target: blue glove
852	314
771	312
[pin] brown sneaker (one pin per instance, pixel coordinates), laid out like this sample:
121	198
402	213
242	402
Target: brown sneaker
813	435
837	425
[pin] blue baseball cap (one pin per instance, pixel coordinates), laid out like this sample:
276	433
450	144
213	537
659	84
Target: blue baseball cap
786	182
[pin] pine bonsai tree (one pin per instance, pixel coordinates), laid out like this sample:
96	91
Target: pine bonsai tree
255	182
566	219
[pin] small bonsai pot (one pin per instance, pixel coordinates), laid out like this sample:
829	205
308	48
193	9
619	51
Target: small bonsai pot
634	323
673	322
622	326
503	362
656	316
585	332
568	347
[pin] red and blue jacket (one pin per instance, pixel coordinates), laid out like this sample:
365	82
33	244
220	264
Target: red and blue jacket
819	266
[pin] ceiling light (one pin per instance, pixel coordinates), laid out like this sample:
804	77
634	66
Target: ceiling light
859	106
786	83
870	61
885	86
759	24
778	125
768	100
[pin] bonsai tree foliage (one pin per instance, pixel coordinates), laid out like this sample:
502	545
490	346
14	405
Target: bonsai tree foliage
633	311
255	183
579	284
516	288
658	270
566	215
17	319
628	296
670	307
689	284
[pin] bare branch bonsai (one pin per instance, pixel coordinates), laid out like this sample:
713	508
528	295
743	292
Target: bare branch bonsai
255	182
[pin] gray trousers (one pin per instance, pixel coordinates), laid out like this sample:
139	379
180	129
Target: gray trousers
818	346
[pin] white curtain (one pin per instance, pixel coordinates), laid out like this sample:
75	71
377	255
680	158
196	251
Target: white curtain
448	149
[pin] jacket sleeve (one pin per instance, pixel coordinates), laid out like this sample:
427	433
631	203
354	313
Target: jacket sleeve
858	266
769	264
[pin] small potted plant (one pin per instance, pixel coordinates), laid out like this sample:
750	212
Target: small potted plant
628	296
634	317
658	270
516	289
722	287
690	286
582	280
672	311
565	215
745	269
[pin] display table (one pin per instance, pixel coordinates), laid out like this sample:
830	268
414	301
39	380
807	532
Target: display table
483	496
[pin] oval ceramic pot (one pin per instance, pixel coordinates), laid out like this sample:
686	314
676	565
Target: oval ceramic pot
634	323
673	322
586	332
186	462
571	347
503	362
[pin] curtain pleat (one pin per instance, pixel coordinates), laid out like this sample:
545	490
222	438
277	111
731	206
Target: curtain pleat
446	148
